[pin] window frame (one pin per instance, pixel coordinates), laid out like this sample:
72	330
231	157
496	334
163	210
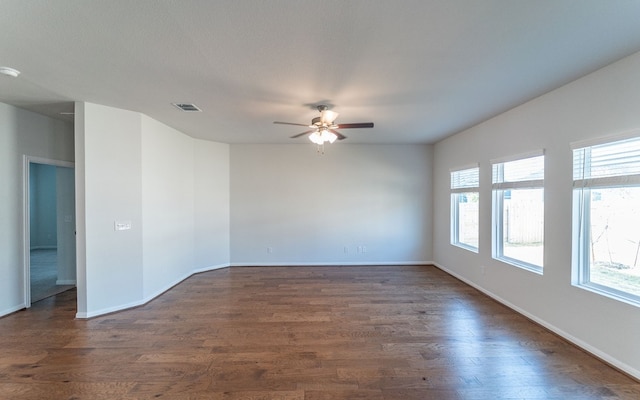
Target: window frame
455	192
498	190
581	216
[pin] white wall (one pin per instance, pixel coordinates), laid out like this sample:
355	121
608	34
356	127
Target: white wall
211	204
137	169
306	208
22	133
185	206
81	231
167	205
111	191
603	103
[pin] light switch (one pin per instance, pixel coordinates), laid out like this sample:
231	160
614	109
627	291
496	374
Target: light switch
122	225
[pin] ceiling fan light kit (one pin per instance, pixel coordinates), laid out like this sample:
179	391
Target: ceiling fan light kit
322	136
323	128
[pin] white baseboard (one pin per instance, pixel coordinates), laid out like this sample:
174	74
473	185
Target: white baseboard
158	292
330	264
211	268
146	299
150	297
13	309
108	310
574	340
179	280
66	282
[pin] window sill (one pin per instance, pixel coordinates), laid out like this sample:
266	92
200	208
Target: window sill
536	269
610	293
466	247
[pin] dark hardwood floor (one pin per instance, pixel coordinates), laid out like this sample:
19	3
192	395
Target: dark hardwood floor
299	333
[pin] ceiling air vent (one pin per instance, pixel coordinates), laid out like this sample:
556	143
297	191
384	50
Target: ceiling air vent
187	107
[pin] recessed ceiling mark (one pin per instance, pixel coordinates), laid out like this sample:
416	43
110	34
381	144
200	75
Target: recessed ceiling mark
187	107
9	71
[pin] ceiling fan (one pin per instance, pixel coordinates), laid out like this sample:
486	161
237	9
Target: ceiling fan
323	128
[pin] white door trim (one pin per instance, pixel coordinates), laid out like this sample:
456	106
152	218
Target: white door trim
26	239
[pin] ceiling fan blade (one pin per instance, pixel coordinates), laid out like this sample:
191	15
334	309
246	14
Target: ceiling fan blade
302	134
357	125
288	123
338	134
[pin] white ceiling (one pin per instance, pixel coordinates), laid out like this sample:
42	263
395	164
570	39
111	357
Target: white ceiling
421	70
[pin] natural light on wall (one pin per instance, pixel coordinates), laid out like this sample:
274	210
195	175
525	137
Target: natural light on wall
518	210
606	216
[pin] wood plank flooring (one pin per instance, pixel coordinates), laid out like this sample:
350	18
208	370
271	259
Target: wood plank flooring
292	333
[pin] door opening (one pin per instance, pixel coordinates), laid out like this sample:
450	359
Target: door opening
49	228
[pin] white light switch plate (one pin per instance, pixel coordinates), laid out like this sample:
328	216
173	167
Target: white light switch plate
122	225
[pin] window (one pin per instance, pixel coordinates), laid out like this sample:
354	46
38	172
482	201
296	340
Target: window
518	210
464	208
606	217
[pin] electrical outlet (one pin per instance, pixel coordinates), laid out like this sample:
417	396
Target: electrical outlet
269	250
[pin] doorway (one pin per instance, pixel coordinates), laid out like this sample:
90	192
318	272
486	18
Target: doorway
49	239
